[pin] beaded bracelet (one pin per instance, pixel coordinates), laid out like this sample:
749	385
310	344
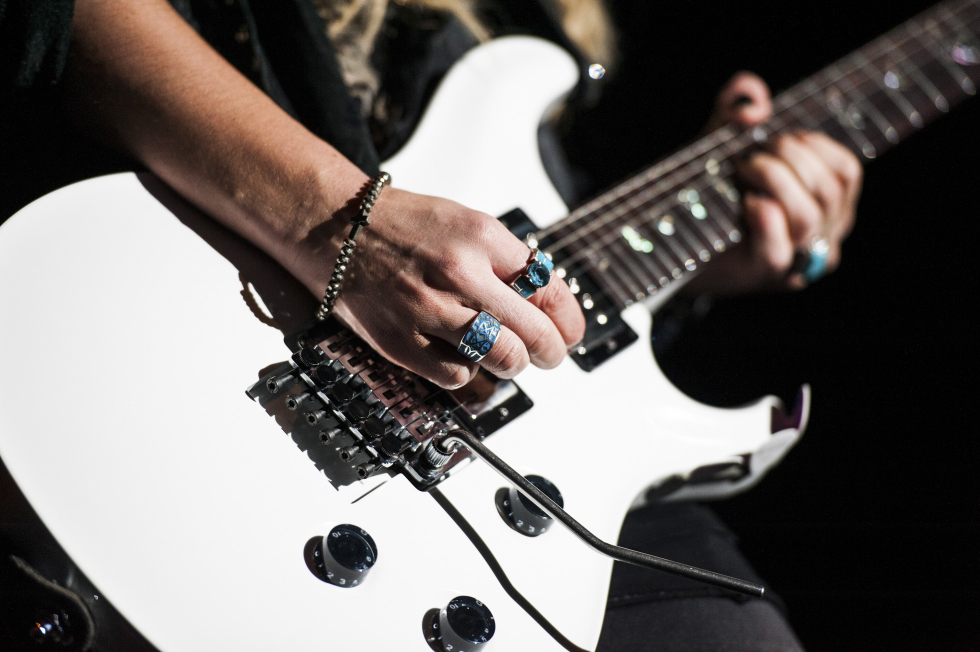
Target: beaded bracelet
361	219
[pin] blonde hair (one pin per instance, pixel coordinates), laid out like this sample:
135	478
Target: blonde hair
353	26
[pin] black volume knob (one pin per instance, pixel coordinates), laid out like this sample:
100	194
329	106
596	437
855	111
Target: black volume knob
523	515
345	556
465	625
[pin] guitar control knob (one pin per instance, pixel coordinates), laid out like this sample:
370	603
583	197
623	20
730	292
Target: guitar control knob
523	515
345	556
465	625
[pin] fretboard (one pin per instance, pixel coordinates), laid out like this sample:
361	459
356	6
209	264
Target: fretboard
655	230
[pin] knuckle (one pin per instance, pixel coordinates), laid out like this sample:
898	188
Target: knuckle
456	376
540	343
853	170
831	192
777	260
509	356
453	270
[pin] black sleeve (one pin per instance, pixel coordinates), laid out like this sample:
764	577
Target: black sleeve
34	37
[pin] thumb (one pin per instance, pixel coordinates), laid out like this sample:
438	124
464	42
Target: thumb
744	101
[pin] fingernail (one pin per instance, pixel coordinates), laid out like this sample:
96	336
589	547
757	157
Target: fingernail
740	101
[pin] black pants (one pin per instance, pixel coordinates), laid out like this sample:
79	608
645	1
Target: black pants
653	611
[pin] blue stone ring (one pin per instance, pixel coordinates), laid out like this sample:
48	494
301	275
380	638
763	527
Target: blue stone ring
535	276
816	259
479	339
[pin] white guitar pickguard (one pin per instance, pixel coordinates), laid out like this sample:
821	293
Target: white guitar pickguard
125	350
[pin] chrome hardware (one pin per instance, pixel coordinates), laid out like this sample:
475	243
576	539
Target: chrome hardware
448	443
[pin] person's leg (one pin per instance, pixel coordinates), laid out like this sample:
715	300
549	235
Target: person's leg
649	610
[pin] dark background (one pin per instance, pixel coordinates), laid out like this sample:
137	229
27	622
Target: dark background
870	529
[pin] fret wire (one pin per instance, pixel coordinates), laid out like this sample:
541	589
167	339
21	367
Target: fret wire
674	268
908	87
606	280
635	283
900	101
696	151
811	123
637	181
716	240
839	115
956	73
864	100
656	174
652	260
684	258
689	232
937	97
613	260
721	216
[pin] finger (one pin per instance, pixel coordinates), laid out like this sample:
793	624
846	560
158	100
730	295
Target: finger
537	331
555	302
772	246
744	101
848	169
774	177
440	362
813	172
507	357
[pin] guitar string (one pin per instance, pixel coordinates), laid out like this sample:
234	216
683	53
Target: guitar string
778	118
627	295
780	102
701	147
666	187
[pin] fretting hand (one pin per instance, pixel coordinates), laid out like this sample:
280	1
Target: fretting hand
800	189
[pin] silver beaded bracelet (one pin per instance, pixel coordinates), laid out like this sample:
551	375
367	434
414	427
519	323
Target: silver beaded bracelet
361	219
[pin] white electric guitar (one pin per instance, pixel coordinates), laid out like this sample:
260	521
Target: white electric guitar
132	327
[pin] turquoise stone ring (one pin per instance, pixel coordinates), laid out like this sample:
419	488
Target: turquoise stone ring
535	276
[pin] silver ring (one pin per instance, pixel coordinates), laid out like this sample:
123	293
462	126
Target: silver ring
480	337
535	275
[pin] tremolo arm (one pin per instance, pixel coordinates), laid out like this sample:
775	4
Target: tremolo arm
448	443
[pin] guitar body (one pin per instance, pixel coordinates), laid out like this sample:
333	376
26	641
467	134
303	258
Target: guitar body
126	346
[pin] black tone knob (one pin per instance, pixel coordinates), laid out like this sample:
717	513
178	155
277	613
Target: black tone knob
524	515
345	556
465	625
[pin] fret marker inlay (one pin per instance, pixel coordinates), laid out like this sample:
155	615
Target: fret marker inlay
966	55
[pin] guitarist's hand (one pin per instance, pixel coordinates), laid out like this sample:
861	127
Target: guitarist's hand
799	187
421	273
141	78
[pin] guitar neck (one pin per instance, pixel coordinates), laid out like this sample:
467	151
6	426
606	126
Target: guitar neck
652	232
